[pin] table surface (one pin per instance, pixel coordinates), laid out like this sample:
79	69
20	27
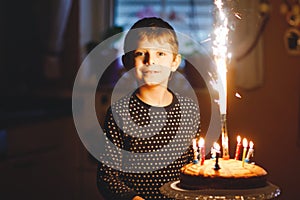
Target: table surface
172	190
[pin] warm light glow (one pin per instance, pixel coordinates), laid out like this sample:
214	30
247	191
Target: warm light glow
237	15
201	142
238	95
245	143
251	144
224	141
194	144
237	150
239	139
217	146
220	54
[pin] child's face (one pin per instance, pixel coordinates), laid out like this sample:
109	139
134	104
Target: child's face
154	61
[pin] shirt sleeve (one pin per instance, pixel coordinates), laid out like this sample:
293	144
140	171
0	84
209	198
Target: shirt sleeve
109	180
195	116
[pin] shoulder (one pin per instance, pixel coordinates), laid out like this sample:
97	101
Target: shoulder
118	111
185	101
125	105
122	103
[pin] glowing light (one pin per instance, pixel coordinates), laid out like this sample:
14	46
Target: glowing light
239	139
201	142
201	150
251	144
238	95
220	54
217	146
238	147
245	143
194	144
250	152
237	15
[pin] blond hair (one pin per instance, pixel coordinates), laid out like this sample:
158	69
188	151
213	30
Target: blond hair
152	28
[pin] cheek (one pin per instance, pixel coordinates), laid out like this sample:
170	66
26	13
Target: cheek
169	63
138	62
137	71
166	70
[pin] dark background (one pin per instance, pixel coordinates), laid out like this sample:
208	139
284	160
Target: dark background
41	155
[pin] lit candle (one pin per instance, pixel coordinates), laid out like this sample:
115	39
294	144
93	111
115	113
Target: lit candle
238	147
194	144
201	150
217	150
195	160
213	153
250	152
245	145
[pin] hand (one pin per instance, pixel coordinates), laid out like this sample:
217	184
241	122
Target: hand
138	198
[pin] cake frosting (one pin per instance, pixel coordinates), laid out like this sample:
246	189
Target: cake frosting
233	174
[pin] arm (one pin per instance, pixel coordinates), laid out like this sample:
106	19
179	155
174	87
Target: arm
110	181
110	184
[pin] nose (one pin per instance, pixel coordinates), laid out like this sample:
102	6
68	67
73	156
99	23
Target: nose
149	58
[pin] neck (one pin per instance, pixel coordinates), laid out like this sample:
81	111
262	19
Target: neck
155	96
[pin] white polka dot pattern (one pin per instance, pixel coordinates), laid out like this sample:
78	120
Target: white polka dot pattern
137	127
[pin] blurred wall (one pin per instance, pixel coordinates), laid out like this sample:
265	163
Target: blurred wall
269	115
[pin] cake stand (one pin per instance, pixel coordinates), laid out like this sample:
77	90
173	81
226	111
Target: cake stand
172	190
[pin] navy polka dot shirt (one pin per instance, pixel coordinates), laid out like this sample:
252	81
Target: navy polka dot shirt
148	146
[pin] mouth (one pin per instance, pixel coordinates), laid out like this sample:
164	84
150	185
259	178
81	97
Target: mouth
151	72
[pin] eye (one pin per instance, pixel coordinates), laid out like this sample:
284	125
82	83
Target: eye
138	53
161	53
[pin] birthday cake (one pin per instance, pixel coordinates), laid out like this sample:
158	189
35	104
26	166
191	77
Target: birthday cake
232	174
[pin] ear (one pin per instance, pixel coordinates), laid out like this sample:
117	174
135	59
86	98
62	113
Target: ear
127	61
176	62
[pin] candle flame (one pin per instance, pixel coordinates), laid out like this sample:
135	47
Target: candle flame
239	139
217	146
220	54
194	143
245	143
251	144
201	142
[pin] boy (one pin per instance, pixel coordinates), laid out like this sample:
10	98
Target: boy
153	124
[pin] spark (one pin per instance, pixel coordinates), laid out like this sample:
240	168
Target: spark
238	15
238	95
220	54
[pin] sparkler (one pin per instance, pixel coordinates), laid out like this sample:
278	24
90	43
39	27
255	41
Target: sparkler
220	56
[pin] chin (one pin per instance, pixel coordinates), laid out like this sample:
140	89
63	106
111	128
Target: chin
154	82
151	84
